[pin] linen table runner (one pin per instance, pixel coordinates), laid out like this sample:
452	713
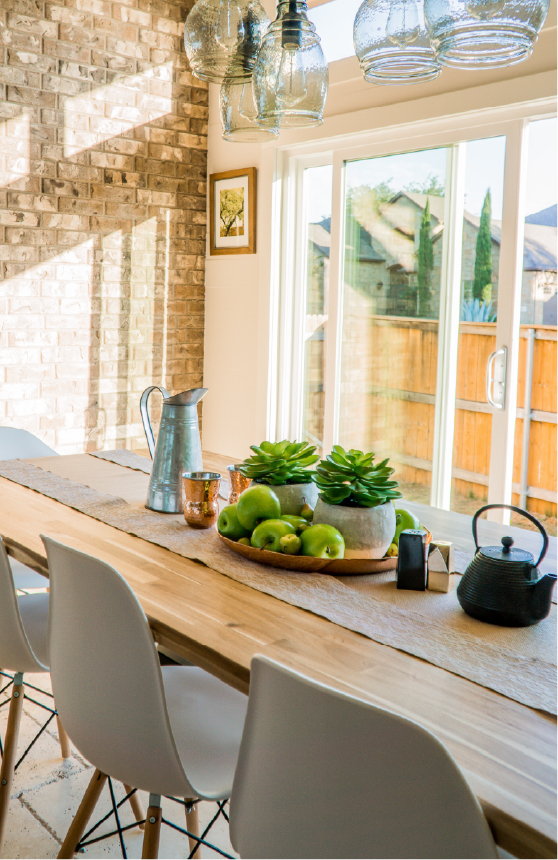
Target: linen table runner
518	662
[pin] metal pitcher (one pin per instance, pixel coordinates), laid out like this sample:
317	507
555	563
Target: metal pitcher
178	447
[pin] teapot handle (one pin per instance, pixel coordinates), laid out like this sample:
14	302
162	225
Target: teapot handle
145	415
529	516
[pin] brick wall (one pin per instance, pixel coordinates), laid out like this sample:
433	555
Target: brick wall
103	143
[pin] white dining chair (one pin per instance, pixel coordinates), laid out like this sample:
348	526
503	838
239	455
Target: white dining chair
171	731
322	774
23	445
23	650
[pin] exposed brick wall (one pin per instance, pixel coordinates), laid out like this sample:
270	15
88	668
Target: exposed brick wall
103	143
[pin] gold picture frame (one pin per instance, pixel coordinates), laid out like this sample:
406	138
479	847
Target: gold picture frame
232	212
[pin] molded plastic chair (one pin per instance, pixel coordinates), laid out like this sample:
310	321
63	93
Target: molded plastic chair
321	774
21	444
171	731
23	648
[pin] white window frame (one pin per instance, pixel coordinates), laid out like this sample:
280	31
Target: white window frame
452	132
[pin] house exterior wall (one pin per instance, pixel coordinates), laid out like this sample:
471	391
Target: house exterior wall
103	148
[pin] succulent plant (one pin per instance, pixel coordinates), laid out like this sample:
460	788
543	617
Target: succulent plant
350	478
280	463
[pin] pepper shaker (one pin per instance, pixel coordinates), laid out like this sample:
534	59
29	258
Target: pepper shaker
411	563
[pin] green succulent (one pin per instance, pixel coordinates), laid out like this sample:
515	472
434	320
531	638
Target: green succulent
280	463
350	478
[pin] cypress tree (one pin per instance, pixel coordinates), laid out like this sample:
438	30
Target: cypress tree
482	284
425	263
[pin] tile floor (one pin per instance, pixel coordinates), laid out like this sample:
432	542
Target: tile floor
47	790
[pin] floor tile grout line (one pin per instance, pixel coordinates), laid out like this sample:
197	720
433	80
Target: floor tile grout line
38	818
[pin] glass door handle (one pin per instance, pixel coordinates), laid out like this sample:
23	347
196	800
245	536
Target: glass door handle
496	377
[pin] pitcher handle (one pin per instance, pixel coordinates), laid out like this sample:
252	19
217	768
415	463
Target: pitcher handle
145	415
523	513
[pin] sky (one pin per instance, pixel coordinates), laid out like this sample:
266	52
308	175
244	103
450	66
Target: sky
334	23
484	169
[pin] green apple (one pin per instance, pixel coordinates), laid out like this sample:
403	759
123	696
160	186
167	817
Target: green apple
306	511
245	541
298	523
290	544
257	504
269	533
404	520
229	526
322	541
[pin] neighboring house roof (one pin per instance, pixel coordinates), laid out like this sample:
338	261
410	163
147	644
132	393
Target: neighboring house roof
546	217
319	234
539	248
390	235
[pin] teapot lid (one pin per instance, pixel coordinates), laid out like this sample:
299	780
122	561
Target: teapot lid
506	553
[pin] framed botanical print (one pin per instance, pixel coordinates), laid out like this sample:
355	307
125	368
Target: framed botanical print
232	212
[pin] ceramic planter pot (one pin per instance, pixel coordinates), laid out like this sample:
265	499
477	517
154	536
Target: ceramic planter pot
368	532
293	496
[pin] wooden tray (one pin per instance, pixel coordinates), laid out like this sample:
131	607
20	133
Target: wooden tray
308	564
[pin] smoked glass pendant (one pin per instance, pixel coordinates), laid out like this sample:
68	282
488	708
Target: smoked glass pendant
480	34
222	38
291	72
239	114
392	44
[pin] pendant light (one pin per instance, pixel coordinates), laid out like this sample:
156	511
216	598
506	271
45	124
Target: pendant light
239	114
392	43
291	72
480	34
222	38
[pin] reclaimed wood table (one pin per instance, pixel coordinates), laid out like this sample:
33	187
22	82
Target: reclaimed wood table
506	750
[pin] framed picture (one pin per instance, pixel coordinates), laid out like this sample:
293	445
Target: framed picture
232	212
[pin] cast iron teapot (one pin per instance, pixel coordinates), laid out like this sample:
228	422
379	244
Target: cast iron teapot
501	586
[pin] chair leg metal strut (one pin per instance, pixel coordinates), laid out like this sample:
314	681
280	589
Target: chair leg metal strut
76	838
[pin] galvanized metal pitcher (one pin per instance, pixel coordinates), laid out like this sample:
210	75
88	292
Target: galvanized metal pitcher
178	447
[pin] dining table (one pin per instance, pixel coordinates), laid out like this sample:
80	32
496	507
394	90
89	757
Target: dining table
507	750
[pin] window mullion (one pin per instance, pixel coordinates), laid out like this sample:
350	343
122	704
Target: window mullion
509	311
335	309
448	331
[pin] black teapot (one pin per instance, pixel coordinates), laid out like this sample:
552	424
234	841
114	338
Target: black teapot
501	586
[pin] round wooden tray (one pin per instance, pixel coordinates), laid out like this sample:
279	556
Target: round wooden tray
308	564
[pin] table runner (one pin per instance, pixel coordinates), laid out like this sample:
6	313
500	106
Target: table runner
517	662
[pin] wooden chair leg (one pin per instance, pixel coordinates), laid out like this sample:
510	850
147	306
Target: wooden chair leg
136	805
63	739
152	828
84	813
10	751
193	826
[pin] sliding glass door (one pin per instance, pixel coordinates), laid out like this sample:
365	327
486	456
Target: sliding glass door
392	277
411	286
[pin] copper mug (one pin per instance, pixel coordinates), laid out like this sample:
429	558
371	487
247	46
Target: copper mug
238	483
201	489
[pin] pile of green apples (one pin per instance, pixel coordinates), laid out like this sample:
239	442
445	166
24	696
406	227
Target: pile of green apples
256	520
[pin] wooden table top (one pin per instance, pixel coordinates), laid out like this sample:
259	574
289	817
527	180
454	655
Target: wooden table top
506	750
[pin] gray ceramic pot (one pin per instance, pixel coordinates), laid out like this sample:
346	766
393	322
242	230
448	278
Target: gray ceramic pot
368	532
293	496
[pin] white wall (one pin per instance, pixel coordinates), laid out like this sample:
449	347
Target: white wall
240	310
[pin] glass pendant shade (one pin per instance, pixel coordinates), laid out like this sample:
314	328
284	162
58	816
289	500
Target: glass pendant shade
222	38
480	34
291	72
239	113
392	44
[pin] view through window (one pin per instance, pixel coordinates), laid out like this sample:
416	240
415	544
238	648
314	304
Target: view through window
398	210
394	222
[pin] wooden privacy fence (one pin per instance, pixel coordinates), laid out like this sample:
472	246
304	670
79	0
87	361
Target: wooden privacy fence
388	396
